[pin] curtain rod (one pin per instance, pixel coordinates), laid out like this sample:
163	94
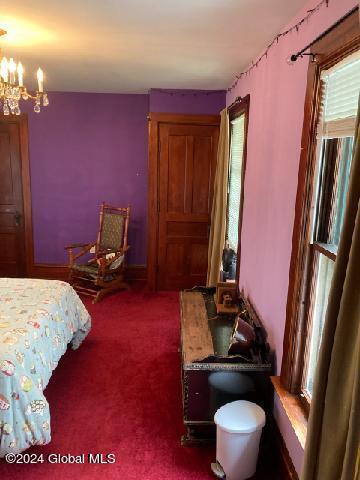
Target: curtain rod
301	53
235	102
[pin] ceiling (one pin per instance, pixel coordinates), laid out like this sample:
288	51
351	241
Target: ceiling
124	46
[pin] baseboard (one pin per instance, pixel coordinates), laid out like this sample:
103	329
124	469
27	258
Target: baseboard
136	272
49	271
61	272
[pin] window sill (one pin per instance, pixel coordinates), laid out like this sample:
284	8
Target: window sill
293	409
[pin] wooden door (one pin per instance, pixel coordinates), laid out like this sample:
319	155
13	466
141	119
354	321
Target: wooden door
186	168
12	237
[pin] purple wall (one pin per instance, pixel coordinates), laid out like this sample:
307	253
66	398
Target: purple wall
201	102
277	95
85	149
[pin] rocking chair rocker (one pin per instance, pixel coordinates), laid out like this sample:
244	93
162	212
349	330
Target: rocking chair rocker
104	273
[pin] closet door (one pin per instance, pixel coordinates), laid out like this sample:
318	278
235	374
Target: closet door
186	169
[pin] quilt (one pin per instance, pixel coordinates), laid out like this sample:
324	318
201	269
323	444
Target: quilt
38	319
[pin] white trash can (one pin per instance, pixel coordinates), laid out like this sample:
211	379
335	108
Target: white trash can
238	430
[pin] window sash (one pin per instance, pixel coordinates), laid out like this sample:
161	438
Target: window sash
321	272
330	184
237	143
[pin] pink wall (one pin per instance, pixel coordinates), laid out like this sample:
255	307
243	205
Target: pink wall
277	94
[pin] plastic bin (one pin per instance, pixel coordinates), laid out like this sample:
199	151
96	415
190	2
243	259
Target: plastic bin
238	430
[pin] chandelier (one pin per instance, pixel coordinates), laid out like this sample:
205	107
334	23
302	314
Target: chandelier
12	88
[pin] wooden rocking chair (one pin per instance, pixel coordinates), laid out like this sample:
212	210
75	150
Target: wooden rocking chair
103	273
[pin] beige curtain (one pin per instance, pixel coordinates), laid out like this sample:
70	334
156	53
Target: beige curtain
332	444
218	213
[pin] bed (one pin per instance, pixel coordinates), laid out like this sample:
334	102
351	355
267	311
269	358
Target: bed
38	319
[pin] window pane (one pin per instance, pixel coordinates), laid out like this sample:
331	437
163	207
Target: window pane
325	269
331	189
342	188
237	131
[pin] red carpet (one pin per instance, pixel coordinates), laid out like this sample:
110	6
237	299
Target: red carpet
120	393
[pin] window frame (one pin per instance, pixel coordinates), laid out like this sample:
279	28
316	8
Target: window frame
234	111
329	50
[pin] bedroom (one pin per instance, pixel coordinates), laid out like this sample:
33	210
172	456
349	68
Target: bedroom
146	101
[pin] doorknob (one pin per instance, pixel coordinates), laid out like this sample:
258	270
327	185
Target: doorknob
18	218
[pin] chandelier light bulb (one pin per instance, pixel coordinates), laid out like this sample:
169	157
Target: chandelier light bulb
20	71
12	70
40	79
4	69
12	66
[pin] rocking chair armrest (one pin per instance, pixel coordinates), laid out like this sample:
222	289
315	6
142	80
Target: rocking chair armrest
118	253
103	253
105	264
78	245
111	260
85	247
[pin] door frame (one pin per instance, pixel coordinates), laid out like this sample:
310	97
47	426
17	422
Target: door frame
22	122
240	108
154	122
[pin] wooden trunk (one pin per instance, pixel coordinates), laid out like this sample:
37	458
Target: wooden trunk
208	374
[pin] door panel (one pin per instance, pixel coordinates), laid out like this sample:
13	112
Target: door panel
202	175
175	251
198	258
12	251
187	160
176	174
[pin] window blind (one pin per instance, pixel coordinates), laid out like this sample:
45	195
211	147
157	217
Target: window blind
341	96
237	131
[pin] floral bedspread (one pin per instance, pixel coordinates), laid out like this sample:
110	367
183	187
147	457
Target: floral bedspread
38	318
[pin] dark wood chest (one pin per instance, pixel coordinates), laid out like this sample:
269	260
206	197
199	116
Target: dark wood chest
210	377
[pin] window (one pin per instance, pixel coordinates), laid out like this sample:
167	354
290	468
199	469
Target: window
237	135
238	117
340	92
321	201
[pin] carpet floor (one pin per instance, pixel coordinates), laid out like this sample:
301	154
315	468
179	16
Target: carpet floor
120	393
